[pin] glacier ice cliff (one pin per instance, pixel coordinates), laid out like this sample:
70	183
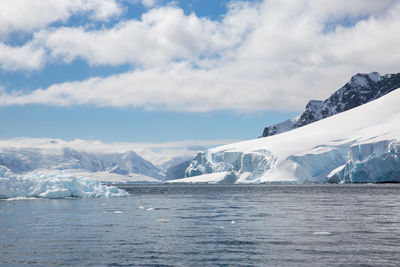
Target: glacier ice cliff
348	163
370	163
249	166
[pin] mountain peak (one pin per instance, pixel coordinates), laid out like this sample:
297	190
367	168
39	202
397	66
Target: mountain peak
363	79
374	76
361	89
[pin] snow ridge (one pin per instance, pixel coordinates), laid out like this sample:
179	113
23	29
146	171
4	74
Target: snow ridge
361	89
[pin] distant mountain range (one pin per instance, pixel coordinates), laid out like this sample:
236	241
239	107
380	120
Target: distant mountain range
104	162
111	166
361	89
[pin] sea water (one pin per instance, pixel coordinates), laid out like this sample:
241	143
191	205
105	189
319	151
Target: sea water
208	225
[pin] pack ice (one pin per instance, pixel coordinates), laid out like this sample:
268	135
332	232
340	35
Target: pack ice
57	185
356	146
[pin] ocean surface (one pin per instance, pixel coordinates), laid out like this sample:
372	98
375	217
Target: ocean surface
208	225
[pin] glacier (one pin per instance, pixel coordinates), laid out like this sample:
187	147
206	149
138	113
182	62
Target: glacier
57	185
361	145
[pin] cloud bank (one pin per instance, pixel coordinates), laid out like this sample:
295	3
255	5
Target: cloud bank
270	55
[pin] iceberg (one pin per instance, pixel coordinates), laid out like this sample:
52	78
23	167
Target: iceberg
361	145
57	185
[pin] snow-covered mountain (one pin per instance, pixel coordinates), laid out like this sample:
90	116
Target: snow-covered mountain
361	89
110	162
127	166
359	145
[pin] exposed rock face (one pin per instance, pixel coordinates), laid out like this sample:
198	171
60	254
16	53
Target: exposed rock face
361	89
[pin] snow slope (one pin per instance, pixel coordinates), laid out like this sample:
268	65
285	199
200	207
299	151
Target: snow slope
358	145
361	89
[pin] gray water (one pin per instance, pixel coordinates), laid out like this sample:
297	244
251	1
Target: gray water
208	225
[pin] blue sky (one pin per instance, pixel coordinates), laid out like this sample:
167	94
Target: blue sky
121	124
155	71
130	124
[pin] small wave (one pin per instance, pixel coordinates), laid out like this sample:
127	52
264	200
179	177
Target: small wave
150	209
163	220
57	185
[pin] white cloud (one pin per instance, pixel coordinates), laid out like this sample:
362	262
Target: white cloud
29	15
149	3
267	56
26	57
102	9
161	36
21	16
340	8
176	88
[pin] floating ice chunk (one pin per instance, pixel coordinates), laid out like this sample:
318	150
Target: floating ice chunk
149	209
212	178
163	220
322	233
57	185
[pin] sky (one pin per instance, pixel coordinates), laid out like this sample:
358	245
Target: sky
164	71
